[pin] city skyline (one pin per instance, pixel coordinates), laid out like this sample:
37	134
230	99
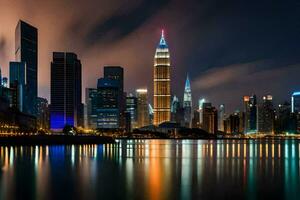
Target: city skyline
216	62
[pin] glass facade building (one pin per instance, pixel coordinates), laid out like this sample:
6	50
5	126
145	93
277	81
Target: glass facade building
108	113
26	50
66	106
17	81
91	100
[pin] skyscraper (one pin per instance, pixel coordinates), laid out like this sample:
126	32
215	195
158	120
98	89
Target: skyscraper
210	118
162	83
265	113
250	109
42	113
131	107
17	80
117	73
295	108
201	102
295	102
66	106
221	117
142	108
108	104
187	103
91	100
26	50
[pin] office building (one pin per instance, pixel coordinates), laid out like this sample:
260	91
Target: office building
265	116
221	117
117	73
250	110
162	83
131	107
17	81
91	100
142	108
66	106
108	112
210	118
285	120
295	108
195	120
187	103
232	123
26	51
42	117
200	108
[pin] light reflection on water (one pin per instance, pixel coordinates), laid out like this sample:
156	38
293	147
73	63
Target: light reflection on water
153	169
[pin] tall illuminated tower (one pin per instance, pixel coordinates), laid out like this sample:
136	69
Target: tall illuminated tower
187	103
162	83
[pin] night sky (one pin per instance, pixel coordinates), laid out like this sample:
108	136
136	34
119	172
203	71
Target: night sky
229	48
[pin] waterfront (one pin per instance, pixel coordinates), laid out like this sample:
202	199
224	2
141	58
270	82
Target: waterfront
153	169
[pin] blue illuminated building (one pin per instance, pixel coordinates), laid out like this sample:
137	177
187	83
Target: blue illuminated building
66	107
295	102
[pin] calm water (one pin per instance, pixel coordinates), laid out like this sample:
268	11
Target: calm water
153	169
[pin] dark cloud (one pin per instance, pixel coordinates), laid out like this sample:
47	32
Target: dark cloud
120	24
230	48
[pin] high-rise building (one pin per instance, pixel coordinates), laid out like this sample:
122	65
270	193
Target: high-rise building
162	83
26	50
91	100
285	121
265	116
131	107
210	118
117	73
142	108
187	103
250	109
221	117
232	123
200	105
108	103
195	120
295	108
42	113
295	102
17	81
66	106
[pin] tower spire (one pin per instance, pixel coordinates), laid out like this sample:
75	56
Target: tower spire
187	82
162	42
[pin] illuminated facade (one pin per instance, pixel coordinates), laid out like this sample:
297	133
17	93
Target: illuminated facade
162	83
187	103
221	117
142	108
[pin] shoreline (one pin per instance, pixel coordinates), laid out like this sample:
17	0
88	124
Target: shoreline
53	140
26	140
